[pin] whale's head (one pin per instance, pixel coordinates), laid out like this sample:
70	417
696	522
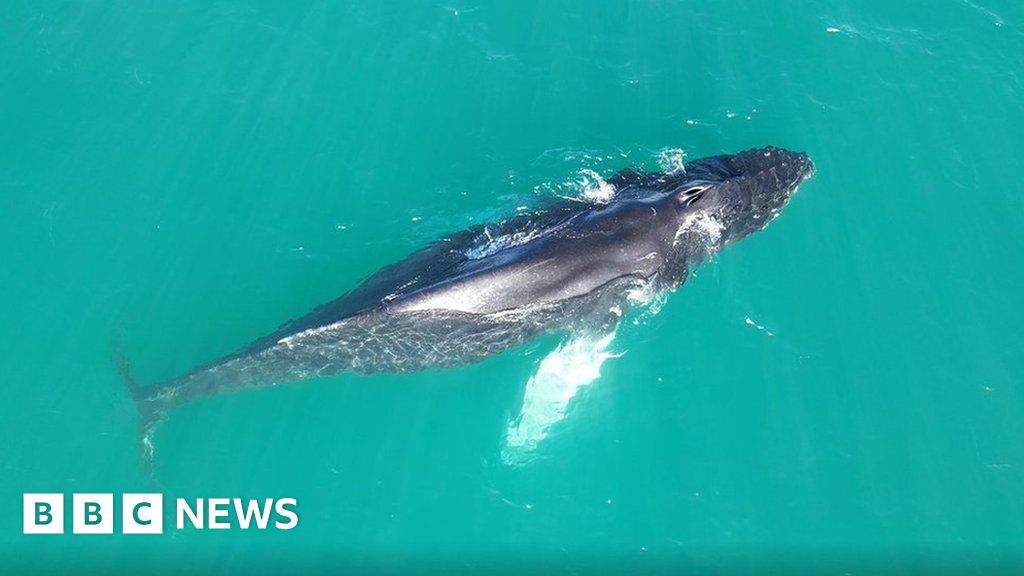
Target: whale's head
740	194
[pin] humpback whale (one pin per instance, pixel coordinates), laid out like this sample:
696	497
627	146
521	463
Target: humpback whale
481	291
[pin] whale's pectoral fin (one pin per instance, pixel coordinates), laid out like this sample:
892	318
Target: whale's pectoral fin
573	365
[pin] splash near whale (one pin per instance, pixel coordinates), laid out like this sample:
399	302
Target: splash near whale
571	266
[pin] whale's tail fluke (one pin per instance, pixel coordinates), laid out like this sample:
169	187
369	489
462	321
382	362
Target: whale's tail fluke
150	416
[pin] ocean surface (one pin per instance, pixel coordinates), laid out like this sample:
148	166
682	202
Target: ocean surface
841	393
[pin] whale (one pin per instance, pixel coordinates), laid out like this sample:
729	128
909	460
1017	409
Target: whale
569	265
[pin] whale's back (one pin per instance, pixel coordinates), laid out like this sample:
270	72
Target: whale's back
447	258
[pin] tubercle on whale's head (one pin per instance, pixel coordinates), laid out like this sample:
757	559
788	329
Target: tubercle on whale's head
742	192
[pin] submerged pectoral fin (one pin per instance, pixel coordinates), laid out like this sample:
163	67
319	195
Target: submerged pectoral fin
574	364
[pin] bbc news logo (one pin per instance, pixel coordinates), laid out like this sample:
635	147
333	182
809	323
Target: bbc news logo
144	513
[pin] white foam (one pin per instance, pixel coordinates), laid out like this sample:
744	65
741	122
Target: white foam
642	294
647	299
672	160
588	186
706	227
593	188
750	322
493	244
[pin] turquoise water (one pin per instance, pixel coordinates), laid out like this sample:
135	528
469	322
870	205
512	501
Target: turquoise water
841	393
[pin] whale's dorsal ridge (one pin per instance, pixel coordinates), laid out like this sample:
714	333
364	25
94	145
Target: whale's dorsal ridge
633	178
